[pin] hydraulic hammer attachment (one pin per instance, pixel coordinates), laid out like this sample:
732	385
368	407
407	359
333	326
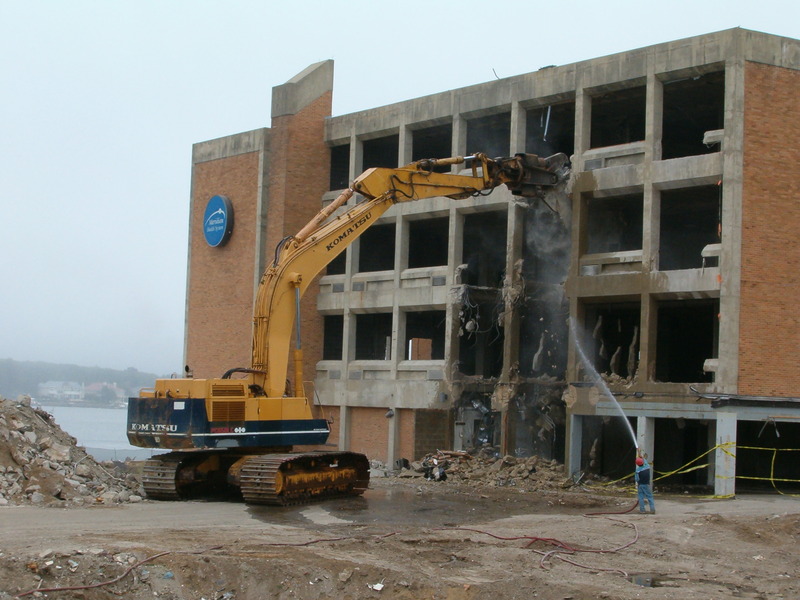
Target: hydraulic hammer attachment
528	175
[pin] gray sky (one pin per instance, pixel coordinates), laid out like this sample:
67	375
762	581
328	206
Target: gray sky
102	101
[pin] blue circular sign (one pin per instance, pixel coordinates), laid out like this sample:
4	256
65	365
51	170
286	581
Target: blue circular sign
218	221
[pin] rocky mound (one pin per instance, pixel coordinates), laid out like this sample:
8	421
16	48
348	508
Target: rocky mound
486	469
42	464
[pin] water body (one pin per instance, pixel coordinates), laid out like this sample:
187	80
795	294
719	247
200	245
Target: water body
102	431
599	382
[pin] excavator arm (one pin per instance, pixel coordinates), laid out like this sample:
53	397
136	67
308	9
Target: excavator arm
301	257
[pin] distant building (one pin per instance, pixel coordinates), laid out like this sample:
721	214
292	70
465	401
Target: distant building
60	391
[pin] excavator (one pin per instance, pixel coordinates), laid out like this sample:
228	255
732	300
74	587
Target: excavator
237	432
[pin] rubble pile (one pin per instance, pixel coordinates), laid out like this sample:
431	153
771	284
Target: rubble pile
42	464
486	469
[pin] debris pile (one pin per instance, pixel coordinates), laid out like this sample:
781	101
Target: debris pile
42	464
486	469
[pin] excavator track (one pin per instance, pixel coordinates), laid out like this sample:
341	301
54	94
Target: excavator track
159	476
286	479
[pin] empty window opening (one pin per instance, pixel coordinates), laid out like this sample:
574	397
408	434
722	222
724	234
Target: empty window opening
543	334
433	142
678	442
692	107
687	333
340	167
484	253
428	242
381	152
550	129
758	466
490	135
374	336
481	333
332	337
546	245
611	338
424	339
377	249
337	265
690	220
606	446
614	224
618	117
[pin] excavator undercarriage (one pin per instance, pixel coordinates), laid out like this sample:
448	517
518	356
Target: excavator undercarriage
271	478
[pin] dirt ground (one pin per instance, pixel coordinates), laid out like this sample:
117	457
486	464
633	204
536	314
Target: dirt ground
407	538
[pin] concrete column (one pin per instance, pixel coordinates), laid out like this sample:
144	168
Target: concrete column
730	260
356	156
648	323
459	139
398	316
406	143
393	439
454	257
398	344
573	450
518	123
725	455
349	340
514	238
645	436
583	127
344	427
654	111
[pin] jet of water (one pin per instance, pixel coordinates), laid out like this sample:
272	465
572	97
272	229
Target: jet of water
598	381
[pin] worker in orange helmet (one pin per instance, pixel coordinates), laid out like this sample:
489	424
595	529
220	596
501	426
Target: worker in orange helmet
643	477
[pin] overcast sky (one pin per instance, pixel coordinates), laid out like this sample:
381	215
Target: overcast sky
102	101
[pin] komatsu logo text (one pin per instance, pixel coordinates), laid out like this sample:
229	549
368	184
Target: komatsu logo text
154	427
348	231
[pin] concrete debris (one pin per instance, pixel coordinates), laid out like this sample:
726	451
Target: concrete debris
43	465
486	469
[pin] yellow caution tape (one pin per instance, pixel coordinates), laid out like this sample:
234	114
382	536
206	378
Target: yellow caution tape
729	449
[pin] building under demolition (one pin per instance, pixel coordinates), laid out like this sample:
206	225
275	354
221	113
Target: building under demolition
661	279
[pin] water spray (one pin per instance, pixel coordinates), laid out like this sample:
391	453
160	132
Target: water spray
599	382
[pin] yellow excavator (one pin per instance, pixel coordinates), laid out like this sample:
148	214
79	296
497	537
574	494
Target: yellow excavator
238	431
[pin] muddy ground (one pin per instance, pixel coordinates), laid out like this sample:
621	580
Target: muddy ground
408	538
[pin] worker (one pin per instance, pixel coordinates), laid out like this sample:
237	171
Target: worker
643	477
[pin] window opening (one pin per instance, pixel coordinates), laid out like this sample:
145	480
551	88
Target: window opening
428	242
374	336
377	249
618	117
614	224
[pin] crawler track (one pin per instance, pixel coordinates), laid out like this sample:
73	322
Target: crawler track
159	476
277	479
285	479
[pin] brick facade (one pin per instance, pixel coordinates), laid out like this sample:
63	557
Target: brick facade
220	286
431	431
369	432
770	285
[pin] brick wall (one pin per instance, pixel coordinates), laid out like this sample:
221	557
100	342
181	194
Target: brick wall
405	442
369	432
220	307
431	431
769	318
